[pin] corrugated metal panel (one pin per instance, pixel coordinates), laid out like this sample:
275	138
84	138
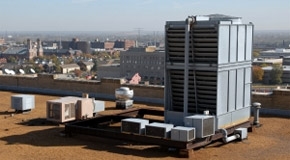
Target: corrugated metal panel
222	93
233	43
247	100
240	89
241	42
223	45
232	90
249	42
248	75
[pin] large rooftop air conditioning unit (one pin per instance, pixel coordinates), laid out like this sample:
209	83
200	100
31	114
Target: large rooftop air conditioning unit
134	125
22	102
204	125
156	129
208	62
184	134
61	110
72	108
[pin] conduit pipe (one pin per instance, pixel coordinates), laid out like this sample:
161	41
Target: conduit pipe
227	139
189	21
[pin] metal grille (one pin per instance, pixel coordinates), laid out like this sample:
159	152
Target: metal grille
208	128
156	131
205	44
175	44
202	84
191	135
131	127
70	111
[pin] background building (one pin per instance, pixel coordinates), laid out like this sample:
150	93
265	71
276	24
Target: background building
149	65
76	44
277	53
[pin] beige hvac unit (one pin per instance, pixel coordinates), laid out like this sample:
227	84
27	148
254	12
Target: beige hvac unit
84	108
61	110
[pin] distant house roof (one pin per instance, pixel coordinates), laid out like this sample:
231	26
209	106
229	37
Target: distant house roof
73	65
55	51
15	50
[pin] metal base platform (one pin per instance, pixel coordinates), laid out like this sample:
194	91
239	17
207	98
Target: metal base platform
109	127
124	104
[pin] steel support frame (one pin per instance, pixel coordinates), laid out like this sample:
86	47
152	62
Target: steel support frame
94	127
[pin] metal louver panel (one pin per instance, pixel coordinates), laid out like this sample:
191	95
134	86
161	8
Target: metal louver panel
202	85
205	44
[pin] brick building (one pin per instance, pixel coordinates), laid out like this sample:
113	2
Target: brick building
149	65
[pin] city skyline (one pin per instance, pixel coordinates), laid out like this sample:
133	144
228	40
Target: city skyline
133	15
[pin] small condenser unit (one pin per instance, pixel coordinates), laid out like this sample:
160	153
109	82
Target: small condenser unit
184	134
22	102
134	125
156	129
204	124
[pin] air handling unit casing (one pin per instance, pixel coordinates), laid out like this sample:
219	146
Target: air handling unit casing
134	125
204	124
183	134
156	129
22	102
208	68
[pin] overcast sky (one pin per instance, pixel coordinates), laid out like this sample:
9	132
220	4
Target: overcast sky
128	15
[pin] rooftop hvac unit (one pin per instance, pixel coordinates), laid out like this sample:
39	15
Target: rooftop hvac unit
208	67
204	124
134	125
84	108
158	129
71	108
22	102
184	134
61	110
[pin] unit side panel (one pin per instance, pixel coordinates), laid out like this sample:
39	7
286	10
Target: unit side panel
241	115
248	74
232	90
247	101
233	43
240	89
222	95
224	121
241	42
249	42
223	44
